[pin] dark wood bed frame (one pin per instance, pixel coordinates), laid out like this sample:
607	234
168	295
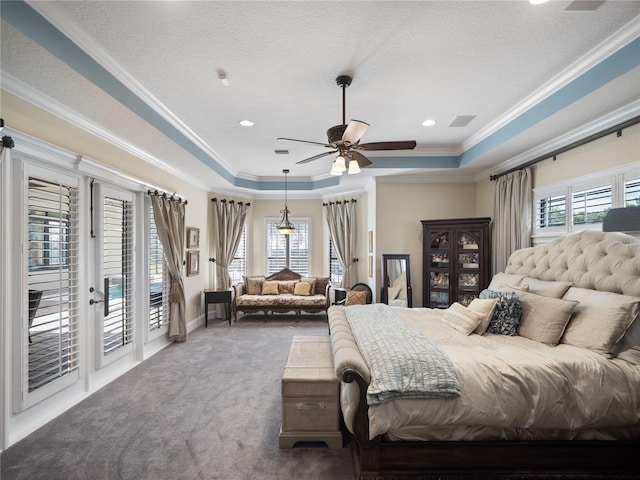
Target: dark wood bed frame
378	459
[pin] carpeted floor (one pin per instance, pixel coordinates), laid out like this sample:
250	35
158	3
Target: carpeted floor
206	409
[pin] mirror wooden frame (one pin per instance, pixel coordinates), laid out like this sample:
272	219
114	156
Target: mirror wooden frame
385	276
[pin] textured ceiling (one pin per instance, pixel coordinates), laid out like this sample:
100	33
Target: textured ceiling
527	73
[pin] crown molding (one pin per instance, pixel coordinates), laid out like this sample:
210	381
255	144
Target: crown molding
605	49
50	12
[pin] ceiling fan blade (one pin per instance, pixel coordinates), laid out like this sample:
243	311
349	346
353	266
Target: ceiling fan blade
403	145
316	157
305	141
354	131
361	159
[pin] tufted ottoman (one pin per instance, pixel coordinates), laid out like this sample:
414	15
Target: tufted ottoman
310	394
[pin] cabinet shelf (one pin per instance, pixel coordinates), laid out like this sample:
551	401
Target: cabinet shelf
455	260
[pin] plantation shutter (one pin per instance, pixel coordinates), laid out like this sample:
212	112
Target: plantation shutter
290	251
51	297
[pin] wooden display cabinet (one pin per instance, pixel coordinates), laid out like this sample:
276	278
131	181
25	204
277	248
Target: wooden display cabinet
455	260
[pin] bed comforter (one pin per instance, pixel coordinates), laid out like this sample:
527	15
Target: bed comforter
512	388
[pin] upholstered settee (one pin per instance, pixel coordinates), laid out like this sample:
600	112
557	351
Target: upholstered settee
284	291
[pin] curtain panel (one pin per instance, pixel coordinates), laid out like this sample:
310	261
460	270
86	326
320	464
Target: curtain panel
228	221
511	217
341	219
170	224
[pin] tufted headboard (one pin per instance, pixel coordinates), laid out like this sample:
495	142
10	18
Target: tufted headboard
605	261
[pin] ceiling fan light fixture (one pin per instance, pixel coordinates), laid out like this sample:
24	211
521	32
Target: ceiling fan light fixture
340	163
354	167
335	170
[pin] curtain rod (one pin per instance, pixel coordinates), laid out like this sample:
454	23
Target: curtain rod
617	128
339	202
231	202
172	197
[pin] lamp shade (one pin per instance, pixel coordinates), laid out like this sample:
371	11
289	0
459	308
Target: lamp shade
353	167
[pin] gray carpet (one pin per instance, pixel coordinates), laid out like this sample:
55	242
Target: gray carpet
206	409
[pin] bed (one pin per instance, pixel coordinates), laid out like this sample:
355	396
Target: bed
559	399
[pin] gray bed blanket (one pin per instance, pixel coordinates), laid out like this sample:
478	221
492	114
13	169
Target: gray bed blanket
403	362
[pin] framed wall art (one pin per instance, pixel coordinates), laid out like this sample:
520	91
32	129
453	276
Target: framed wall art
193	237
193	263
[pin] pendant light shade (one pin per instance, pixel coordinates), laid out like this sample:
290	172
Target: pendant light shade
285	227
353	167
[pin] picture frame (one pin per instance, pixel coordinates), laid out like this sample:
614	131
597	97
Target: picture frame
370	242
193	263
193	237
370	266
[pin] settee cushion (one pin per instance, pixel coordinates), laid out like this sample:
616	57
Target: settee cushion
253	285
281	300
286	286
302	288
270	288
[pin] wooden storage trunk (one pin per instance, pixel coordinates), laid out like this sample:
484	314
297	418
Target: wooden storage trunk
310	394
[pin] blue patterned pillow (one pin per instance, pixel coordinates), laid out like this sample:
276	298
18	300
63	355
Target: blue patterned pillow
506	316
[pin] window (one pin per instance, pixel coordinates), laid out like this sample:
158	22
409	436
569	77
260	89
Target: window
583	202
290	251
158	280
52	279
335	269
238	266
632	193
591	205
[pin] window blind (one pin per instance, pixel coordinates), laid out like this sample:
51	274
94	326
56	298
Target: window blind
52	279
552	211
335	269
290	251
118	269
238	267
591	205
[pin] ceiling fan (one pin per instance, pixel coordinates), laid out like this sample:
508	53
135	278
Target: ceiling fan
344	139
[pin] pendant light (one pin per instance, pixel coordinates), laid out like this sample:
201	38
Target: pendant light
285	227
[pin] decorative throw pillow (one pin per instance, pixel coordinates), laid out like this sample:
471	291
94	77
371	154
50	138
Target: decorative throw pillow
302	288
321	284
506	316
270	287
485	306
600	320
287	286
355	297
544	318
544	287
461	318
311	281
253	284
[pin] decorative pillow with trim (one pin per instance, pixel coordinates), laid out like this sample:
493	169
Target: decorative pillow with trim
253	285
302	288
287	286
507	314
312	282
321	284
270	287
461	318
485	306
355	297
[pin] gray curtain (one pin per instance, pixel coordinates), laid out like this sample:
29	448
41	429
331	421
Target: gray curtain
511	217
228	222
341	219
169	218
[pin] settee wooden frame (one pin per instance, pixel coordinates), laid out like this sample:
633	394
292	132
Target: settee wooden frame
284	274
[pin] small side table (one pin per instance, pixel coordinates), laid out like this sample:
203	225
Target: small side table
222	295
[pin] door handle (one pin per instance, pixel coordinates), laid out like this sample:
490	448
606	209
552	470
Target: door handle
105	297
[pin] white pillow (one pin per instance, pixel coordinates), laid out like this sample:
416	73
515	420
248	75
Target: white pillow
544	319
461	318
485	306
544	287
392	292
501	279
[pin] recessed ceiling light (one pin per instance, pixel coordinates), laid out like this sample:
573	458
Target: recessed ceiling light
247	123
537	2
429	123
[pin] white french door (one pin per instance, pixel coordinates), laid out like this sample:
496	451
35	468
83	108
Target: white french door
113	289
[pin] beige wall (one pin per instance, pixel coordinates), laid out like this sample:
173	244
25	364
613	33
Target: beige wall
606	152
24	117
399	209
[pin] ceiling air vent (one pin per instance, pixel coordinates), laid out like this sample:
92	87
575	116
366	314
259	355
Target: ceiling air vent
462	120
281	152
583	5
